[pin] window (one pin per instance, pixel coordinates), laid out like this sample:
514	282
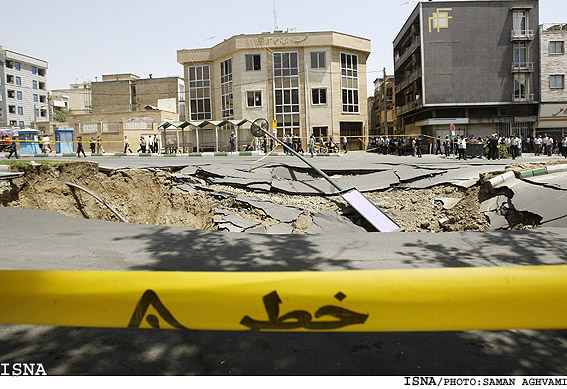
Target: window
17	65
35	98
286	93
254	98
253	62
556	48
227	101
320	132
520	54
34	84
41	72
43	113
18	80
319	96
9	79
318	60
9	64
520	87
11	109
557	81
19	95
43	99
21	124
11	94
34	70
200	92
20	110
520	20
349	83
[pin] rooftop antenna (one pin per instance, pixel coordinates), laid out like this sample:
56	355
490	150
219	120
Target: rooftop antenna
407	6
275	17
210	39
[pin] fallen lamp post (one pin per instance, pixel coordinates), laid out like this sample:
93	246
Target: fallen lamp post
353	196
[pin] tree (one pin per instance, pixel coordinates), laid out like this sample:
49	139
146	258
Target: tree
61	115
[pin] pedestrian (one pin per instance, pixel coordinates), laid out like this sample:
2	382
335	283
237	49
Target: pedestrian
232	142
126	145
142	145
400	146
312	144
548	145
514	147
99	148
419	142
12	148
462	146
345	140
156	144
46	147
493	147
80	147
438	146
537	145
92	144
265	144
564	144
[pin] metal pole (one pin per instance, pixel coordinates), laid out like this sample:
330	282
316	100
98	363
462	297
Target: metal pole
325	176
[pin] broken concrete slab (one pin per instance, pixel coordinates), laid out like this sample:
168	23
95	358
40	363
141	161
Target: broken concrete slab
282	213
285	173
186	187
407	173
493	204
229	227
239	221
330	221
539	200
554	181
465	177
497	221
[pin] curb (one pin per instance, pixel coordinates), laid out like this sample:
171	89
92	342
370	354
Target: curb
542	171
500	179
204	154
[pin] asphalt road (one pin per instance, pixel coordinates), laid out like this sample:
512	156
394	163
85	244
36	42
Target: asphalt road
42	240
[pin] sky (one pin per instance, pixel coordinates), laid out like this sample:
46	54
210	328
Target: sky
82	40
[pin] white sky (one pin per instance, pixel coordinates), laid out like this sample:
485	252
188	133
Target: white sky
82	39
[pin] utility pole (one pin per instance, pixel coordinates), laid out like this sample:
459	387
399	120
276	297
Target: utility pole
385	104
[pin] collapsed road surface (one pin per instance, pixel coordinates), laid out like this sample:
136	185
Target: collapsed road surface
282	197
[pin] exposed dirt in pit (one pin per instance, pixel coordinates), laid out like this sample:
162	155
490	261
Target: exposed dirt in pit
148	197
141	196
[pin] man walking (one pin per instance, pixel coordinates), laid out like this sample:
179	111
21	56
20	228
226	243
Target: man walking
13	148
80	147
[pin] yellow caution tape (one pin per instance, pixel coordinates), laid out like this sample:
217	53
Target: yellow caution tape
446	299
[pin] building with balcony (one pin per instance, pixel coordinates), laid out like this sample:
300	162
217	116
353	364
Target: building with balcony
303	82
23	89
78	97
473	64
553	69
382	117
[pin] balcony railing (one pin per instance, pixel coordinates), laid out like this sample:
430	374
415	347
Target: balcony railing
523	98
522	35
408	80
522	67
407	52
409	106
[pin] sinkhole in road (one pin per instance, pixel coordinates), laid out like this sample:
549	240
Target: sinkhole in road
163	197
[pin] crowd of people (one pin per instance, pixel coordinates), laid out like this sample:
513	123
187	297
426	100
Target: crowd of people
513	145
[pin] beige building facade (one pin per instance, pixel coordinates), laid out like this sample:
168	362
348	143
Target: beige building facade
303	82
553	65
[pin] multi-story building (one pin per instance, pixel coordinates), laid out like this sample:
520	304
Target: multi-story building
470	66
303	82
553	68
126	105
382	113
23	89
130	93
78	97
